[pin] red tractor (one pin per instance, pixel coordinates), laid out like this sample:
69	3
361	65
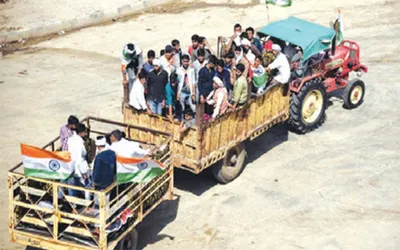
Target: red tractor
322	71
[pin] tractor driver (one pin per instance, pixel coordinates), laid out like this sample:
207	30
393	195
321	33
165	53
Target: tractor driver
280	63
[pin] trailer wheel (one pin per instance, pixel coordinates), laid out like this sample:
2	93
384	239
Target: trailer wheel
353	94
129	242
307	108
231	166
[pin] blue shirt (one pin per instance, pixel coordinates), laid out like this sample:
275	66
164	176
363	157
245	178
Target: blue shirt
257	43
148	67
205	83
105	169
225	76
170	95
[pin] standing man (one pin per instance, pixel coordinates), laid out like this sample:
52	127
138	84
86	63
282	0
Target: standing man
235	40
105	165
194	47
167	61
66	131
240	90
170	95
148	66
224	75
177	52
199	63
78	154
254	40
156	83
131	64
187	84
205	83
280	63
136	97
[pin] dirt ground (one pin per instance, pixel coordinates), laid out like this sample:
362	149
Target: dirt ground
335	188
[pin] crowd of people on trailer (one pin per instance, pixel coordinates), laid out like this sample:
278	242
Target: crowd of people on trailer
175	82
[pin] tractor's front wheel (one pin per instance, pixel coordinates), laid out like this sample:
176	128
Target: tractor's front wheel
307	108
231	166
353	94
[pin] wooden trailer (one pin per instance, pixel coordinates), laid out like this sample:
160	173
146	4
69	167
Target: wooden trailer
40	217
220	141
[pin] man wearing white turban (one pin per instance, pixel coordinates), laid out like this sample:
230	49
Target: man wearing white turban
280	63
218	98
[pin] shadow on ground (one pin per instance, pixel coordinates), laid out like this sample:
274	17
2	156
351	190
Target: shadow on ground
267	141
149	230
196	184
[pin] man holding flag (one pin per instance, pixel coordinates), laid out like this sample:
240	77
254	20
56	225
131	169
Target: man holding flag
338	26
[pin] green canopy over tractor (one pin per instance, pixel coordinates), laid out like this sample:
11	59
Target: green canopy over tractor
310	37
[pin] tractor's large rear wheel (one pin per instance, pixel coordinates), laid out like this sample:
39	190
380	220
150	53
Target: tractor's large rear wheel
307	108
231	166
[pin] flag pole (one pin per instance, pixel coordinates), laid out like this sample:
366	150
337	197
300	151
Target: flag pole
267	13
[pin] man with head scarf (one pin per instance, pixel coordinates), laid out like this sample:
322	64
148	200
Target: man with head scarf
218	98
131	63
280	63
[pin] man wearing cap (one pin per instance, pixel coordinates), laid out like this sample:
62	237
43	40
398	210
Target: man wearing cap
131	64
156	82
240	88
280	63
167	61
105	165
218	98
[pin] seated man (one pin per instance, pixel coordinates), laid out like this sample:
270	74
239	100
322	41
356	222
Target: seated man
259	80
218	98
136	96
240	90
280	63
267	54
170	96
125	148
188	122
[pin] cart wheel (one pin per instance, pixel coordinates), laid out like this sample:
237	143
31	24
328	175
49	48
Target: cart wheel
353	95
231	166
129	242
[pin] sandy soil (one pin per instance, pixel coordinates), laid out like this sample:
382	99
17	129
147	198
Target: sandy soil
336	188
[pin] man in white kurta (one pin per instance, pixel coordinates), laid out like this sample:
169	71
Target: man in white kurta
280	63
124	148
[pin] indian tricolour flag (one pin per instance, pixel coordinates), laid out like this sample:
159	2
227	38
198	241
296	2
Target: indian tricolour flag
137	170
283	3
46	164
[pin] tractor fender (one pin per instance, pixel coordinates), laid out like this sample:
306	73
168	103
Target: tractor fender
297	84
